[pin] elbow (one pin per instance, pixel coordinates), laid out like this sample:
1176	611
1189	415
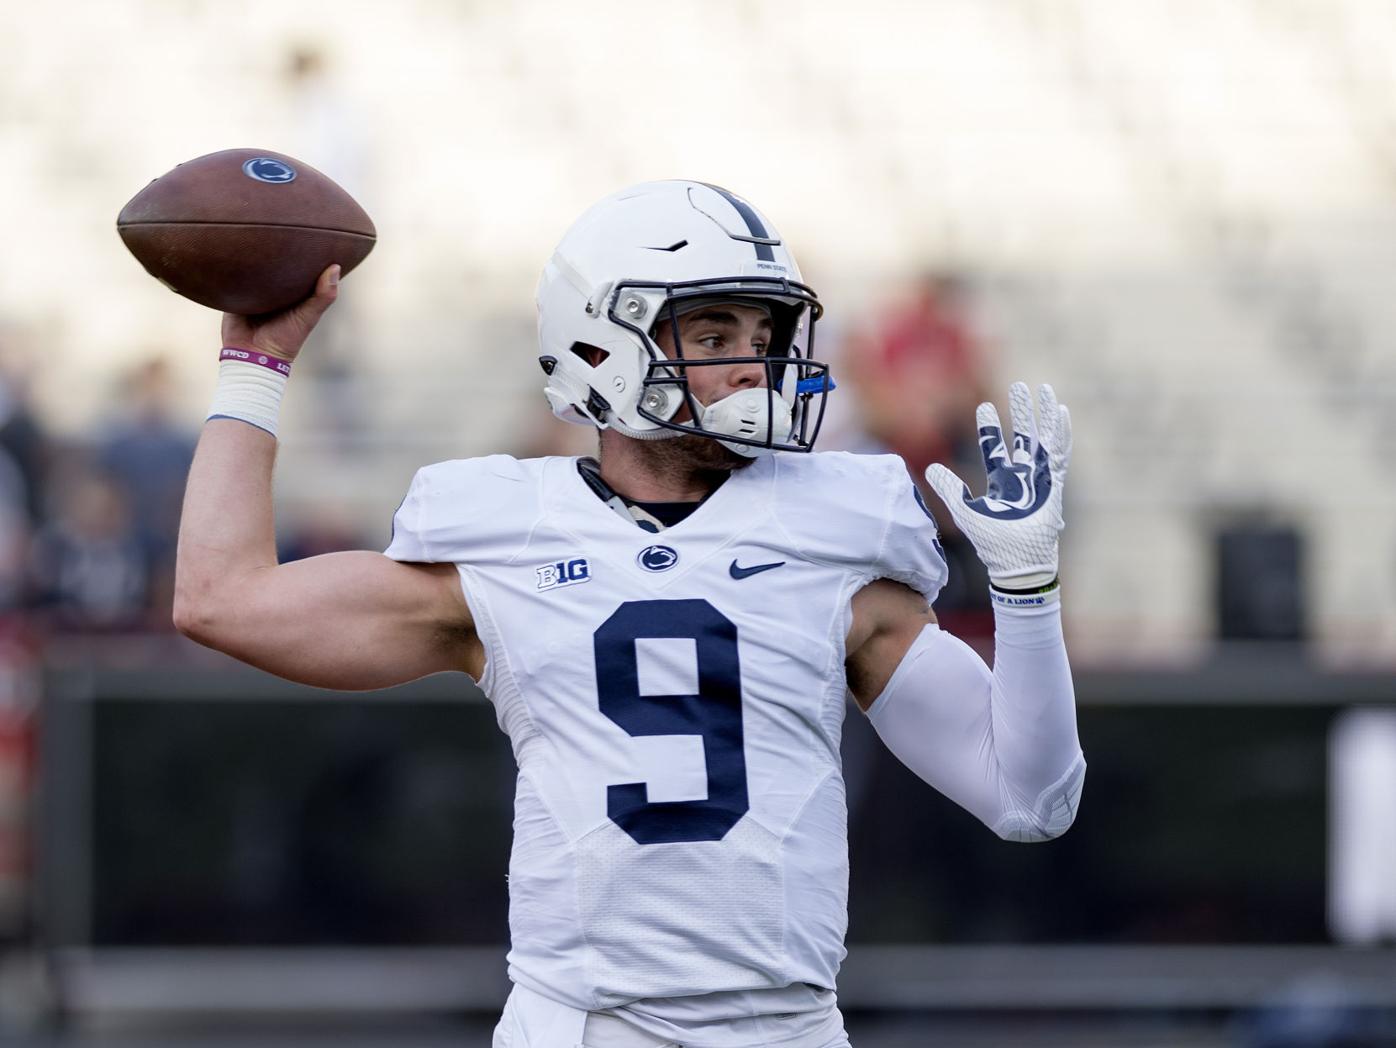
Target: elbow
1021	827
192	619
194	615
1051	816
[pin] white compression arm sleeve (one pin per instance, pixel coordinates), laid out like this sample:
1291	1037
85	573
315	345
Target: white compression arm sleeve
1001	744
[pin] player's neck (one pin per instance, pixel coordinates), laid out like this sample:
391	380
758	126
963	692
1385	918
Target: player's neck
661	470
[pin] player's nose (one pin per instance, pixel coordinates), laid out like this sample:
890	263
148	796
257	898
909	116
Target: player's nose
749	375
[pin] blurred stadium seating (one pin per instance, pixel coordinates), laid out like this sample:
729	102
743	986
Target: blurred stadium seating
1179	213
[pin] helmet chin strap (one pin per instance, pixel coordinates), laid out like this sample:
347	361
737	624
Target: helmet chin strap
644	434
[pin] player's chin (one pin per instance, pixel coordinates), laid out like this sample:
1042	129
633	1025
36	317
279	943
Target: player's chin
707	453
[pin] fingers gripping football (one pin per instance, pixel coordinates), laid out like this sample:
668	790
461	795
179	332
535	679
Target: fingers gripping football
1014	525
282	334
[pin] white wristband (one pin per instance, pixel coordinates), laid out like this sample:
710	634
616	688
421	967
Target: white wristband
250	386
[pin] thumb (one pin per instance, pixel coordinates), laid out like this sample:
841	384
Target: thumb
304	315
950	488
326	291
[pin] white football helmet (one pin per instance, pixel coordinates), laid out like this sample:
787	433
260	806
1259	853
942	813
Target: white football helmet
637	259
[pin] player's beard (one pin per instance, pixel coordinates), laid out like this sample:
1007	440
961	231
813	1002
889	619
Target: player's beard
692	453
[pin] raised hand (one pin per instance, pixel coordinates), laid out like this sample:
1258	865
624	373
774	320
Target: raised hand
282	335
1014	525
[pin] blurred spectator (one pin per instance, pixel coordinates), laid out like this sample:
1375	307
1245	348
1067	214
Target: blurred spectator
147	455
19	694
918	373
14	536
22	440
90	567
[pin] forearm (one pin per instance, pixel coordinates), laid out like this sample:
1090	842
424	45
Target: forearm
1000	743
226	530
1033	701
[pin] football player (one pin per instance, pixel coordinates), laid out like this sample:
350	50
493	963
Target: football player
668	632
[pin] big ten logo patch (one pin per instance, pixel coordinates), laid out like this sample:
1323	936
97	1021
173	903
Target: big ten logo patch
563	573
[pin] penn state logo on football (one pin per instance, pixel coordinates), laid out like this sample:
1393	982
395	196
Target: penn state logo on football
269	169
657	558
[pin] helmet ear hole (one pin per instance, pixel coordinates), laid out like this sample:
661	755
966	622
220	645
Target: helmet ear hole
593	356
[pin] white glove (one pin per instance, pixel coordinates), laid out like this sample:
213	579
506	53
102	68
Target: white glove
1014	525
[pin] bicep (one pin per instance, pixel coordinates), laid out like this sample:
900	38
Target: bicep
887	617
350	621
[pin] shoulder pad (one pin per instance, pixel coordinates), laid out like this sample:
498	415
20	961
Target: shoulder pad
467	510
862	511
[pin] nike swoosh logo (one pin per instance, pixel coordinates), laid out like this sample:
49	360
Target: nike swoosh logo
738	572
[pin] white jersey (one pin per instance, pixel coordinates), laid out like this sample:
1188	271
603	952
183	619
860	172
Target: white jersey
674	702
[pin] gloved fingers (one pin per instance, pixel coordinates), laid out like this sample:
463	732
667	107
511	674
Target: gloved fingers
1054	423
1047	416
1025	434
1061	451
951	489
991	443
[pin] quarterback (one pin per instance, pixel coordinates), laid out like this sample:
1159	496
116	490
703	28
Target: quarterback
669	632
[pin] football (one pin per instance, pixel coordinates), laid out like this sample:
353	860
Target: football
244	230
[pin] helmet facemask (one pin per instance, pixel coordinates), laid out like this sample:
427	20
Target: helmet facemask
782	414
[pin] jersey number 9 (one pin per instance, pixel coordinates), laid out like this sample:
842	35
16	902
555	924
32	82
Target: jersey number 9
714	713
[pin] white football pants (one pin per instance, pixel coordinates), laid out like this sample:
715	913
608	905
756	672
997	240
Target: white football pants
531	1020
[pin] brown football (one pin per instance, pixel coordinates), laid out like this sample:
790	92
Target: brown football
244	230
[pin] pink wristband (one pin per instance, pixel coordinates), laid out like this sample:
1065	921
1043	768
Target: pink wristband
281	367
